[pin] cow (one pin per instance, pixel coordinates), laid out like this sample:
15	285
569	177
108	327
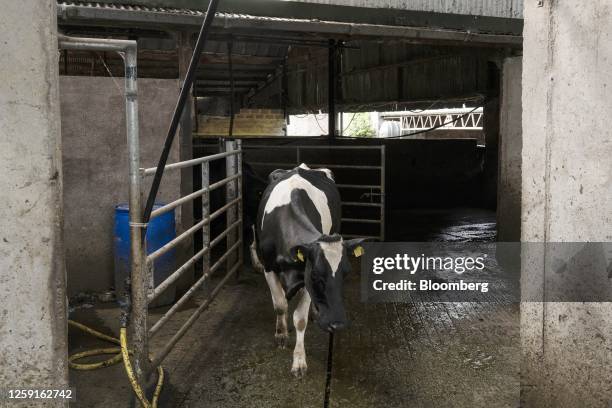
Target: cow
298	248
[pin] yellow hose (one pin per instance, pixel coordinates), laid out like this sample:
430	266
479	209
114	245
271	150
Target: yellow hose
121	354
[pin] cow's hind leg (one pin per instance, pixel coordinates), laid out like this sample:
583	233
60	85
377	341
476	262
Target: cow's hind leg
300	321
280	307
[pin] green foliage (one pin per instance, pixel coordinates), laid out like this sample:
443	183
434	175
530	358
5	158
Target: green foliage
360	126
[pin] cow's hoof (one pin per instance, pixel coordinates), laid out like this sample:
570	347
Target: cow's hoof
281	340
299	367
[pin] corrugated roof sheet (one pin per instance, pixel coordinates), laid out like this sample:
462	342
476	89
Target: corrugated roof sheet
491	8
168	10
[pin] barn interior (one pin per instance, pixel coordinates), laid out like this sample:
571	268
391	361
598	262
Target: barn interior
263	64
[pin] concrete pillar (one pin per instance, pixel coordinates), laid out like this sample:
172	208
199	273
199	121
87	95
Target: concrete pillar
33	350
566	194
510	147
491	132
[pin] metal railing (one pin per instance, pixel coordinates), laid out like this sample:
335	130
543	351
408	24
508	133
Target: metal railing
370	190
446	119
232	257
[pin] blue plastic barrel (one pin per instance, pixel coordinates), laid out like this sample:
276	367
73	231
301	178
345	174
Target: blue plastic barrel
160	231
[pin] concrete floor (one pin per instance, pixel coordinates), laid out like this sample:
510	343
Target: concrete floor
396	355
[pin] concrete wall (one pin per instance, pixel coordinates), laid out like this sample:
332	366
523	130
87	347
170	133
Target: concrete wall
96	167
566	194
510	147
33	347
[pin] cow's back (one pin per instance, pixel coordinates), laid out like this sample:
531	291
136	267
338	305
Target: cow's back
297	207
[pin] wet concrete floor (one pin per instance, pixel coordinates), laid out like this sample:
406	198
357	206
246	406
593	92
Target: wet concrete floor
393	355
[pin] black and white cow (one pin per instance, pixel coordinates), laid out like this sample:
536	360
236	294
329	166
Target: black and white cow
298	248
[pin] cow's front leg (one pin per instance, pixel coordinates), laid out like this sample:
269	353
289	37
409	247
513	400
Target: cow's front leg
280	308
300	321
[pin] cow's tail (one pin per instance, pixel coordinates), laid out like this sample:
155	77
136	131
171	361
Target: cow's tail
257	265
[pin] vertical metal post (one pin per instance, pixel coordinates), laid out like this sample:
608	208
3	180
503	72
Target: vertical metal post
298	155
332	89
382	192
239	210
139	281
205	214
231	194
285	92
230	68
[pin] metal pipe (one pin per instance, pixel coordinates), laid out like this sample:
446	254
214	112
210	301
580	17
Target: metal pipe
192	162
359	204
239	210
206	221
205	213
231	192
358	236
331	96
382	191
360	220
196	194
185	89
189	293
314	166
159	358
232	93
179	272
358	186
138	315
335	147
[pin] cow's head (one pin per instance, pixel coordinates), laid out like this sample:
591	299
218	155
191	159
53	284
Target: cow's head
326	263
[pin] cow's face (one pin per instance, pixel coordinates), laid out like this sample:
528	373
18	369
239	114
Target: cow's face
327	262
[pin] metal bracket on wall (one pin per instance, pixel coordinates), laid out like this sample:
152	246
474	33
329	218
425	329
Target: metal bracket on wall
540	3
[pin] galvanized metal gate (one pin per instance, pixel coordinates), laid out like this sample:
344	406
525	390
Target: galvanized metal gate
371	195
231	259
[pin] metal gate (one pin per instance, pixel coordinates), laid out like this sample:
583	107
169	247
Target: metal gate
371	195
232	258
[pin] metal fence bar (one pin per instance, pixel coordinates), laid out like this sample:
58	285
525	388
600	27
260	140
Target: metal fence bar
159	358
359	236
314	166
381	168
359	204
205	213
231	192
162	210
382	191
239	208
357	186
361	220
311	147
195	286
192	162
205	222
179	272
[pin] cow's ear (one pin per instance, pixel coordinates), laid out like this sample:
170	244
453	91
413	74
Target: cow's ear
353	246
299	253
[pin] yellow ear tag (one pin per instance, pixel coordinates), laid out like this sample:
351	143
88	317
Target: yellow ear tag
300	255
358	251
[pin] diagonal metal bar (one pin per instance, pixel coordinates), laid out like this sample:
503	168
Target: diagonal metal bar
180	105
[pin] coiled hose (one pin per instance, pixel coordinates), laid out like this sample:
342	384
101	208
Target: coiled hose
121	353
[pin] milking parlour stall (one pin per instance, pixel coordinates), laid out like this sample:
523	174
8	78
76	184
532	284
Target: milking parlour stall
305	203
